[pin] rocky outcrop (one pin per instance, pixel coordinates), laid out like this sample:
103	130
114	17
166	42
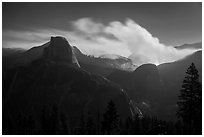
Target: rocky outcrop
59	49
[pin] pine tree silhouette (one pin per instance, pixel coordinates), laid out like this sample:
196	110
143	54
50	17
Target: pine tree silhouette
137	125
90	126
54	119
44	122
121	127
98	122
82	130
50	121
190	101
64	127
110	119
128	125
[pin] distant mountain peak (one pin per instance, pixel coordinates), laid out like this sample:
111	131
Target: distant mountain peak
58	39
59	49
113	56
190	46
146	68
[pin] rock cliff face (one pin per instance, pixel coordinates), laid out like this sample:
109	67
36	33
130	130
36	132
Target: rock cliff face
59	49
52	79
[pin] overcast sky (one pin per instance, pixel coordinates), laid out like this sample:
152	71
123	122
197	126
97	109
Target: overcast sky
100	28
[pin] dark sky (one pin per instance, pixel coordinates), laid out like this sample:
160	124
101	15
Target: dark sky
171	23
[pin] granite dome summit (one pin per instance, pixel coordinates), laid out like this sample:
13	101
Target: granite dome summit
59	49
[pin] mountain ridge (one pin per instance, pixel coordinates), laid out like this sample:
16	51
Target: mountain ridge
190	46
51	80
157	86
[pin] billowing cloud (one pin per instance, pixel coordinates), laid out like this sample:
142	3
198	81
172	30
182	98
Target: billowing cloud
131	40
94	38
88	26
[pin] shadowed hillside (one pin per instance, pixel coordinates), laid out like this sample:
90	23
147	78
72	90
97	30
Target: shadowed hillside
52	80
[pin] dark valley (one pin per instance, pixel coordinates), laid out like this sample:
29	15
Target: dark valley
60	77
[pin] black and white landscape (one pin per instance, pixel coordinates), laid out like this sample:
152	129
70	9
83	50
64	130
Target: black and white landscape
94	68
